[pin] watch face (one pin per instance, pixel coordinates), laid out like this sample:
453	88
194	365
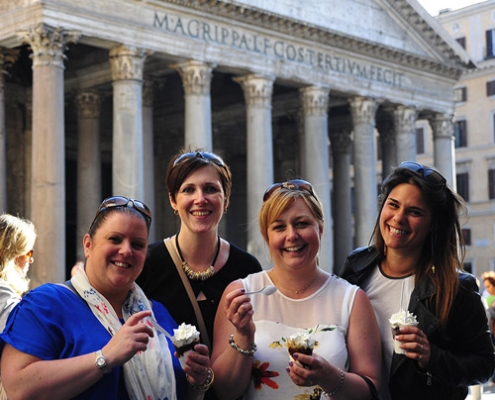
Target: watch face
101	362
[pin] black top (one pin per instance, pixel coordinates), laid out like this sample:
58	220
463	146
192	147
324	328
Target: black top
161	282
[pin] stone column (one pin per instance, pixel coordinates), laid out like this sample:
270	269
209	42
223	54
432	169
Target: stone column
48	164
314	101
404	119
196	78
148	151
7	57
127	65
365	183
89	194
386	129
443	147
342	216
258	95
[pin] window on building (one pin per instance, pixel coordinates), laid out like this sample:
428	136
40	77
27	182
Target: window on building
460	133
420	141
460	94
466	234
463	185
490	42
491	184
462	42
490	88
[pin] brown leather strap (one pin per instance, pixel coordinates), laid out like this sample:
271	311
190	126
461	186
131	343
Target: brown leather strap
178	264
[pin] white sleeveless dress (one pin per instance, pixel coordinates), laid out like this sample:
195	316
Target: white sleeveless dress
325	314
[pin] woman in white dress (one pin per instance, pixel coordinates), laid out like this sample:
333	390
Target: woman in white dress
250	354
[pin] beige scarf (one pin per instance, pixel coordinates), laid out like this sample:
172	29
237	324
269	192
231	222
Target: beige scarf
148	374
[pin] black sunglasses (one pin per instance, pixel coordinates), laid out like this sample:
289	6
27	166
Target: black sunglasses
294	184
200	154
121	201
428	173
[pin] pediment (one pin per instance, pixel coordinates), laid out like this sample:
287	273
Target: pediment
397	30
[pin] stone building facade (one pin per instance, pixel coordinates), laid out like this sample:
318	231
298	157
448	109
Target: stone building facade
95	98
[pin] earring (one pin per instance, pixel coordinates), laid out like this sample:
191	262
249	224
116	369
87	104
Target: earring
225	211
176	212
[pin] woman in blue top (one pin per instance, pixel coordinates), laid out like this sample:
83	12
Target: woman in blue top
94	337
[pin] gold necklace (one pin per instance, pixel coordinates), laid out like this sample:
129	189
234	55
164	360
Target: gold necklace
304	288
197	275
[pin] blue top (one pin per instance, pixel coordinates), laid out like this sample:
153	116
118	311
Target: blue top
52	322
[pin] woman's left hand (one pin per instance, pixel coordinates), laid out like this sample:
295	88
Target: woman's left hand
198	365
308	370
416	344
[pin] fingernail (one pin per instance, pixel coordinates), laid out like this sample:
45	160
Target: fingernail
291	363
288	370
295	355
243	290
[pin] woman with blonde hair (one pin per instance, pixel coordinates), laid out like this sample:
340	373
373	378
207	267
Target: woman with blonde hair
17	238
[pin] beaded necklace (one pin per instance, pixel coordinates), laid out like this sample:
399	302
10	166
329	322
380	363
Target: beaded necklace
197	275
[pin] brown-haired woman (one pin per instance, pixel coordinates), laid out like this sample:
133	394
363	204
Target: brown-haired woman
414	264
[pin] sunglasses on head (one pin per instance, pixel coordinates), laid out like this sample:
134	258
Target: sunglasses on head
429	174
200	154
294	184
121	201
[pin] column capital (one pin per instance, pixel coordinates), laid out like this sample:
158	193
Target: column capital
257	89
314	100
341	141
404	118
127	62
196	76
88	104
48	44
442	125
363	109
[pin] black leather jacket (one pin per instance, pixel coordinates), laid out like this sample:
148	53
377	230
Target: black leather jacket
461	356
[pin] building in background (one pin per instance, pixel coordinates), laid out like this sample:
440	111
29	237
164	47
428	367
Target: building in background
473	28
96	96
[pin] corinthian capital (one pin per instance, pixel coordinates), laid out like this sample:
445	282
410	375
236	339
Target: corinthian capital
363	110
127	62
257	89
88	104
48	44
314	100
196	76
442	125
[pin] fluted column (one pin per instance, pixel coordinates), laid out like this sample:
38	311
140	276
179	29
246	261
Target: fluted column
48	164
314	101
386	129
258	95
88	163
342	238
443	147
127	65
404	119
363	112
148	150
196	78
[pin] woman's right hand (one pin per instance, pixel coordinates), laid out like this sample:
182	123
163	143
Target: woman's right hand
239	311
131	338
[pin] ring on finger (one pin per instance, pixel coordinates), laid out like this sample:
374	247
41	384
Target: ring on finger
240	314
310	382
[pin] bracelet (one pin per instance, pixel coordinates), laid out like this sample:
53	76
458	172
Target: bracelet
249	353
339	386
204	386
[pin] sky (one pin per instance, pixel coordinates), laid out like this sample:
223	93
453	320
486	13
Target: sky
434	6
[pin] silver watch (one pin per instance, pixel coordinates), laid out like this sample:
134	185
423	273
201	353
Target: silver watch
101	362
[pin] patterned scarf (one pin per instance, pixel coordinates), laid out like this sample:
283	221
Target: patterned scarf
148	374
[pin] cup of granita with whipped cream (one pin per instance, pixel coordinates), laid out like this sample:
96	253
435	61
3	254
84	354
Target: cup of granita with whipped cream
185	337
397	321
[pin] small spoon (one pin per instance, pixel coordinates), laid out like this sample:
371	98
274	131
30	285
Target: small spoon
267	290
159	328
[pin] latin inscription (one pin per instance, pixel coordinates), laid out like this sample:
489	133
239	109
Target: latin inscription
212	33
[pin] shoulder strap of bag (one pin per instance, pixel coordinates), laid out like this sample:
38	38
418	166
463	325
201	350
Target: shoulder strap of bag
178	264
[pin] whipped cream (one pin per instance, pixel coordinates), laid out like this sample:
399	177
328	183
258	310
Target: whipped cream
403	318
185	334
301	340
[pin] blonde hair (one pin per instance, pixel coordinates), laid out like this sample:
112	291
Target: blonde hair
17	236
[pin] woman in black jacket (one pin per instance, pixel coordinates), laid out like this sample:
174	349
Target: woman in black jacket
414	264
